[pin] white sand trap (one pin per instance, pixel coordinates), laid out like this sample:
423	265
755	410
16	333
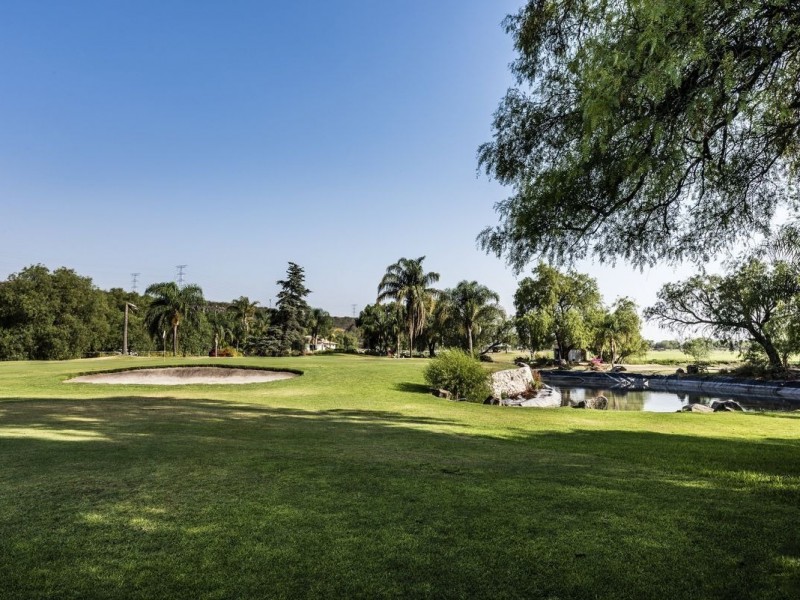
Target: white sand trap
185	376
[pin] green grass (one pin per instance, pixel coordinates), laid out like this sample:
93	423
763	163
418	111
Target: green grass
351	481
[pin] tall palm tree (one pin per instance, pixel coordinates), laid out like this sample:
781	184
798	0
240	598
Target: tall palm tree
407	282
173	304
472	303
319	324
221	329
244	312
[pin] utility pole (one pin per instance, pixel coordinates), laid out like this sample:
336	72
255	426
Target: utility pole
135	277
125	332
180	274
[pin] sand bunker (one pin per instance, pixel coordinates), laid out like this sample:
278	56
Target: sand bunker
185	376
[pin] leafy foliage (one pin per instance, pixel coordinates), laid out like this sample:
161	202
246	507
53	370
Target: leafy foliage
618	334
557	308
320	324
645	130
473	304
699	348
285	335
459	373
51	316
244	313
407	283
755	300
171	305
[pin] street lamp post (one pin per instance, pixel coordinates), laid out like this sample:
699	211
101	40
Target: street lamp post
125	331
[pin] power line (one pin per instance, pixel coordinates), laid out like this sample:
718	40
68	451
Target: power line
135	277
180	273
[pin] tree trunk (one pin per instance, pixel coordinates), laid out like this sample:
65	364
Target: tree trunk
469	337
175	340
216	345
765	342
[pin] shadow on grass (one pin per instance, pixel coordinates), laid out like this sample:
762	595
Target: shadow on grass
413	388
148	497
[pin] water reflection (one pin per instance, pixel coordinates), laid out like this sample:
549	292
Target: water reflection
653	401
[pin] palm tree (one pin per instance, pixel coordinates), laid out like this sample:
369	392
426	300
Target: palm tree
407	282
173	304
220	327
244	312
472	303
319	324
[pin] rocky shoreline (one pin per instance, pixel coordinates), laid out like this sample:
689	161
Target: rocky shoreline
716	385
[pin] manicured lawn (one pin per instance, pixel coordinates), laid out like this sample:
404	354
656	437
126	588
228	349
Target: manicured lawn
351	481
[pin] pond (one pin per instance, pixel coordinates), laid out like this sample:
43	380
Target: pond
659	401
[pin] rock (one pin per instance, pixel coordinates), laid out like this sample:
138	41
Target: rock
440	393
599	403
580	404
726	405
492	400
679	371
696	407
692	369
512	382
619	369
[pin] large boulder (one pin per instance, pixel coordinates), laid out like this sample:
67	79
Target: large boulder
696	407
598	403
726	406
512	382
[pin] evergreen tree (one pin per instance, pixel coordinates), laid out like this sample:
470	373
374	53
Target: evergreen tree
285	336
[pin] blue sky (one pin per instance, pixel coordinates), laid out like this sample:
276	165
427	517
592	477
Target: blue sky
236	136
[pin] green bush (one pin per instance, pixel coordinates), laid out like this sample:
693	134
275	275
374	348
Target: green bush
459	373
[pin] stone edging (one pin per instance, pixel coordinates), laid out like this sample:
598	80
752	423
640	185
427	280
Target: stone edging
788	390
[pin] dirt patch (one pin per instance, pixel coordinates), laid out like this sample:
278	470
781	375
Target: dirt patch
185	376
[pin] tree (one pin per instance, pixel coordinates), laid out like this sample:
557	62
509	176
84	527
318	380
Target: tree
645	130
619	332
51	315
220	328
472	303
407	282
698	348
244	313
555	307
285	335
172	305
380	324
754	299
319	324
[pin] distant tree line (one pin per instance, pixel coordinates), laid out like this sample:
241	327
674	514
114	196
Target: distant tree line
56	315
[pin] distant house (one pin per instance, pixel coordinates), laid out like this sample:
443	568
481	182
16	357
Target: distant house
321	345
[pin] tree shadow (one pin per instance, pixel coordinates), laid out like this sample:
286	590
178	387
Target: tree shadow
412	388
188	498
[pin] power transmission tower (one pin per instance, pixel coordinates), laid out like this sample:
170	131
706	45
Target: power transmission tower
180	274
354	310
135	277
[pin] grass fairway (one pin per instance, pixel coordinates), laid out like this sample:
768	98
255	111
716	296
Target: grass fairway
350	481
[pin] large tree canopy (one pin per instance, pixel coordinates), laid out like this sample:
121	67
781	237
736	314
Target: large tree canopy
645	130
755	299
555	308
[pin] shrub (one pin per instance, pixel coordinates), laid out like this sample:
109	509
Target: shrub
459	373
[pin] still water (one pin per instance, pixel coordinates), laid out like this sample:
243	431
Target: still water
653	401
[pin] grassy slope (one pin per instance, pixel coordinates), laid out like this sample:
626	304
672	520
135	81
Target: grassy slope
350	481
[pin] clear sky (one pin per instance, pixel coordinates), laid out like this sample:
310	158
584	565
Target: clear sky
233	137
